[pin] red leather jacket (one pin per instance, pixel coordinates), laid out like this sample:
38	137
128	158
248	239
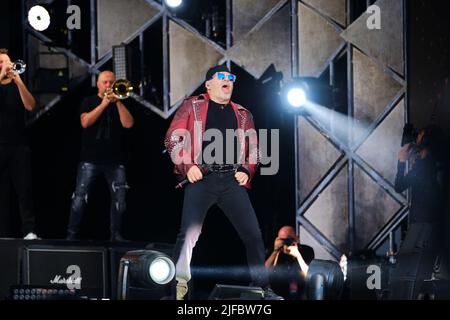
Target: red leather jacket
190	115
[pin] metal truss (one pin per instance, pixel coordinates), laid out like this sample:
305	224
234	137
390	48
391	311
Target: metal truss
94	65
349	156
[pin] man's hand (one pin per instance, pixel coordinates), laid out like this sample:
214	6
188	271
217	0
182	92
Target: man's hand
241	177
404	152
11	74
3	71
110	96
194	174
293	251
107	98
278	244
113	98
7	71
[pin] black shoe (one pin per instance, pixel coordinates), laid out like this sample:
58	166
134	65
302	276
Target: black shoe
270	295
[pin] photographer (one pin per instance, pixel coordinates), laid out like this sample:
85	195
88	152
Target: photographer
288	264
423	241
422	178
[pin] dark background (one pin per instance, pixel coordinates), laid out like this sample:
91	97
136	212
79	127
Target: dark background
429	62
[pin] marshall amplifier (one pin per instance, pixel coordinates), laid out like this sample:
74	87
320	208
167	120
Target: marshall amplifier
83	269
9	265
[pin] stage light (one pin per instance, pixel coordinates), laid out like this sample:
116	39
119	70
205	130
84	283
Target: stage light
173	3
150	267
324	280
296	97
304	93
38	18
162	270
148	272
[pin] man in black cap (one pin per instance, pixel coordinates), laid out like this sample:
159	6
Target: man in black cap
229	167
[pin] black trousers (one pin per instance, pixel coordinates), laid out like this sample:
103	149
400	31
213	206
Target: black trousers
416	260
221	189
117	182
15	165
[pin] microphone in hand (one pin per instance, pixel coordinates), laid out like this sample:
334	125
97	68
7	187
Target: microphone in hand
185	181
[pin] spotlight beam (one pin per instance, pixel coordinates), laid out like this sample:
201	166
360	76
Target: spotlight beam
350	153
342	127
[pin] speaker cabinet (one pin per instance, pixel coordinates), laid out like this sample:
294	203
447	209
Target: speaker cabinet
84	269
9	266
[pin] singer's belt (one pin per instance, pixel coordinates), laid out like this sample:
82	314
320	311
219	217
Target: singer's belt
221	167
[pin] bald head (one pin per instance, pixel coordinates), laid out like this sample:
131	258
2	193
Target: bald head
287	232
105	81
105	73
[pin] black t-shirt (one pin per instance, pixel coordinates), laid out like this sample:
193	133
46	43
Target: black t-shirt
104	141
285	277
221	117
12	115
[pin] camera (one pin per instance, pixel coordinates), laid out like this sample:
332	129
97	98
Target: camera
432	138
409	134
289	241
409	137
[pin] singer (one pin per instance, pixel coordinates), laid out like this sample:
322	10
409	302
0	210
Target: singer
227	182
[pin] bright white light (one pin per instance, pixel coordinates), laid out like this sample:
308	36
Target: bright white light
38	18
173	3
296	97
162	270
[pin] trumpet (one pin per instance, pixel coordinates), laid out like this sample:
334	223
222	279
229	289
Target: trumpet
19	66
122	88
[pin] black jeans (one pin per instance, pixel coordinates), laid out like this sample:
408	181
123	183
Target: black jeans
15	164
416	260
115	175
221	189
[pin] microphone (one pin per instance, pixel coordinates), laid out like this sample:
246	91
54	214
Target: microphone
185	181
182	184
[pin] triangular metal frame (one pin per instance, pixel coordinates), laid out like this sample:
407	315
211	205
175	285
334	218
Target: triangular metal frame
349	156
164	13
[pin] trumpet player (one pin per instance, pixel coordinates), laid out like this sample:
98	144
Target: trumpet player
104	119
15	154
